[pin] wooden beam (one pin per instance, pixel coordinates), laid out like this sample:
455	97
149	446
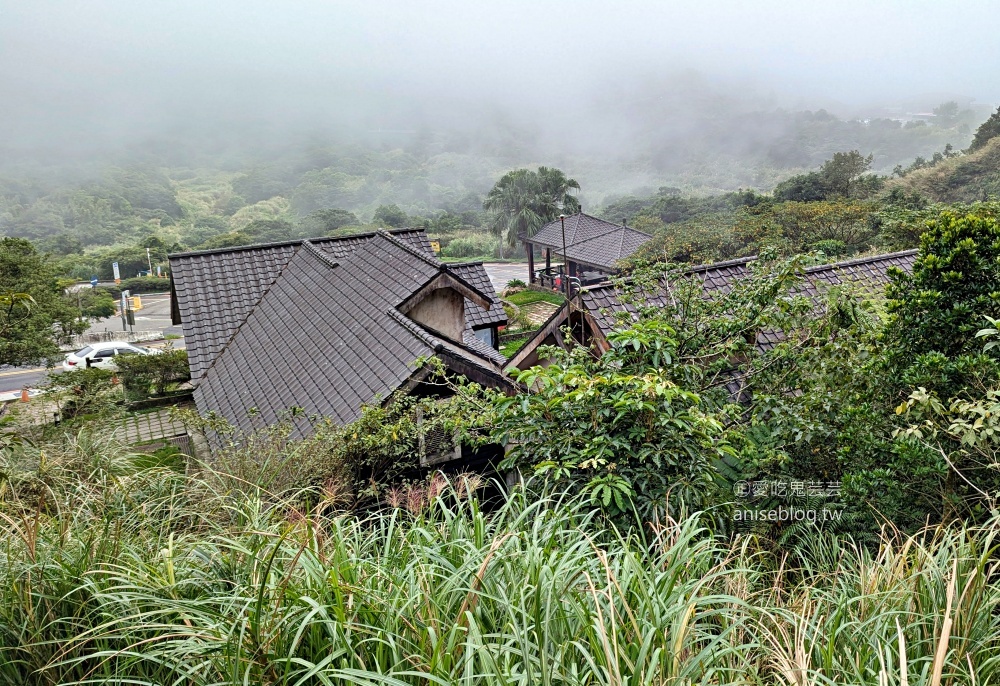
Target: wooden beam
558	318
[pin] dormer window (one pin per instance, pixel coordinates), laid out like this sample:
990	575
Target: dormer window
440	306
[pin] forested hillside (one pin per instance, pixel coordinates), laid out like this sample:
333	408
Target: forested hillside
183	191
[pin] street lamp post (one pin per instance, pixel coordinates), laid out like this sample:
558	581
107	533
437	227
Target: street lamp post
565	267
150	261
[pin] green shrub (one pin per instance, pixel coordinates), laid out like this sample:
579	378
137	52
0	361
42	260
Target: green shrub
831	247
626	437
137	285
144	375
471	245
84	393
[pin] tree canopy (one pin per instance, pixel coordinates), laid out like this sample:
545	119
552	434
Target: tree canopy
523	200
34	313
842	176
986	132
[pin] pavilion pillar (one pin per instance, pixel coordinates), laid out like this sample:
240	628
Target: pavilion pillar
531	261
548	260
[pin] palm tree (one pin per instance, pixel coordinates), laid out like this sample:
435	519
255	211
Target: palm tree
523	200
555	190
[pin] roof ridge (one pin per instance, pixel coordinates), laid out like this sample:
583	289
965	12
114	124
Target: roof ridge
750	258
605	221
239	328
292	242
596	236
416	253
441	267
718	265
313	250
415	329
634	230
859	260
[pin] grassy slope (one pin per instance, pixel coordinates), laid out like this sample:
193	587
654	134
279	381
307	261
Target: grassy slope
968	178
150	575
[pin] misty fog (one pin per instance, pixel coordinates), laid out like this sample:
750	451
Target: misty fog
637	85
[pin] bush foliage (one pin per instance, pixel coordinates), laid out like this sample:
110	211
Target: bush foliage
115	573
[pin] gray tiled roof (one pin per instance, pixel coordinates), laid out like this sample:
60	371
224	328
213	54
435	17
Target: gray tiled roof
479	347
604	301
325	336
590	240
475	274
871	274
215	290
868	275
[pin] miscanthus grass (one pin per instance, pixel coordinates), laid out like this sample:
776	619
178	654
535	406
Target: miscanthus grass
117	572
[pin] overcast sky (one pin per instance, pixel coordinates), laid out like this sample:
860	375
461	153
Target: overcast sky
68	65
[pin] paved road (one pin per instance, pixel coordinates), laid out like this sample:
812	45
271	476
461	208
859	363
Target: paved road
154	316
16	378
502	272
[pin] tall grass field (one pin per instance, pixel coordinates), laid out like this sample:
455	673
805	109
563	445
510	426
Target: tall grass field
118	571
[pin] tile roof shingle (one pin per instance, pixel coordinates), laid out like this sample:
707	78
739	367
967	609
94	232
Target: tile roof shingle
605	305
313	324
590	240
325	336
216	289
475	274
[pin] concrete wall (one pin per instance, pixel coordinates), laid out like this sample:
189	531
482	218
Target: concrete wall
443	310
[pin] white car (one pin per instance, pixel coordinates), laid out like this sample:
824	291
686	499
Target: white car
101	355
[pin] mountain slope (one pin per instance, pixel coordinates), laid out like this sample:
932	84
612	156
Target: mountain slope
967	178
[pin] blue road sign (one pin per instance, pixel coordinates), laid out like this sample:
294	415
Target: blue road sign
93	281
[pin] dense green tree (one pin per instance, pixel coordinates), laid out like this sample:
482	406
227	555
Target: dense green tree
391	216
259	184
61	244
845	175
523	200
323	222
844	170
936	363
95	303
230	239
131	260
986	132
35	314
802	188
145	189
328	188
954	284
946	114
937	310
269	230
